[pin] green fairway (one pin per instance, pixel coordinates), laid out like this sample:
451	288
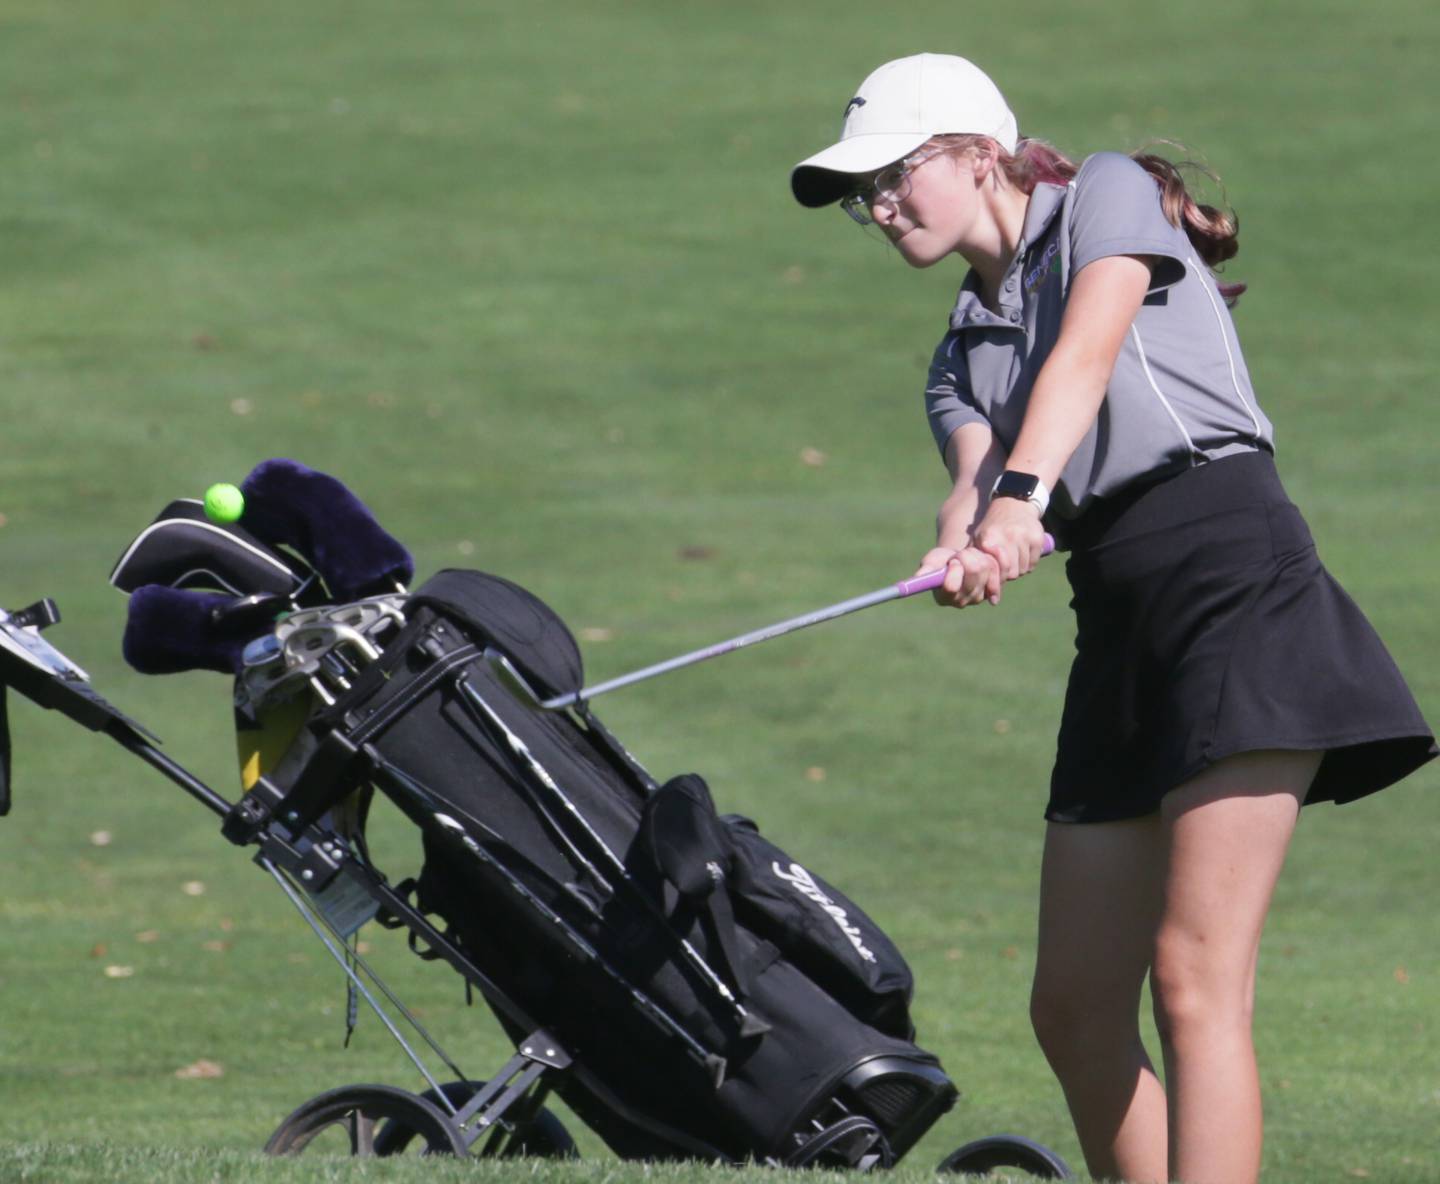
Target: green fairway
529	278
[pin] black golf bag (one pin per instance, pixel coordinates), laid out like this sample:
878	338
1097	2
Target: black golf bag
724	1001
684	985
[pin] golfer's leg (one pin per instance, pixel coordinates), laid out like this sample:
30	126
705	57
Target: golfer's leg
1228	832
1100	888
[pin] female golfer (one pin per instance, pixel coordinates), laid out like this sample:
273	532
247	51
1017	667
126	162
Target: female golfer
1091	381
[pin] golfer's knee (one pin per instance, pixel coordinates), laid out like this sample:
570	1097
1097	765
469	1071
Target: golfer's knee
1071	1022
1197	1001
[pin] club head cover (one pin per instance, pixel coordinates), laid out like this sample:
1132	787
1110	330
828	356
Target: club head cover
289	504
170	630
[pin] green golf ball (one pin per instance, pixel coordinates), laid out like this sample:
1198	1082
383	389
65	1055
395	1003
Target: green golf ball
224	503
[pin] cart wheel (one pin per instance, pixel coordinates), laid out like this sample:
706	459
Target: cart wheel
352	1112
983	1156
544	1136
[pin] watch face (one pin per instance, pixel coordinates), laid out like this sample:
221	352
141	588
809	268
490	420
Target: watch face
1021	485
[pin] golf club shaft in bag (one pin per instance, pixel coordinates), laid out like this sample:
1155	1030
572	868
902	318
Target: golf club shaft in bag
924	582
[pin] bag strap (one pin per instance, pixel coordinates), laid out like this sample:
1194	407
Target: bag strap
691	850
720	915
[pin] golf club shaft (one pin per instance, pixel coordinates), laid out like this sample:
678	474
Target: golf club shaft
923	582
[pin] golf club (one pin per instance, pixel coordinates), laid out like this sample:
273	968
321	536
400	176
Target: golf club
924	582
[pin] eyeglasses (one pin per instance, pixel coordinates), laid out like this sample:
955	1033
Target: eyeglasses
891	185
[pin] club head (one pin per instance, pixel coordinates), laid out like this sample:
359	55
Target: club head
514	682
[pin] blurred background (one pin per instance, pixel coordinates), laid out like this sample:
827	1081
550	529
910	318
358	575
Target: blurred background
530	280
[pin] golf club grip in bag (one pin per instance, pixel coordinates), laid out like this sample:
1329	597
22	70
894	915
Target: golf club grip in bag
724	1001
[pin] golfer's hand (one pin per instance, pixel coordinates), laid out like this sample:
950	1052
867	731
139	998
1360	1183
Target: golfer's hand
971	576
1011	534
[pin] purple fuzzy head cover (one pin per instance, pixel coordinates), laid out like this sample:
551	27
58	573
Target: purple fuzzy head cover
290	504
173	629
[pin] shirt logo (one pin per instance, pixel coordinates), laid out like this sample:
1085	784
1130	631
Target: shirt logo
857	101
1048	265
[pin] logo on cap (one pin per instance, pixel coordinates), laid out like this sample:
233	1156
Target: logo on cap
857	101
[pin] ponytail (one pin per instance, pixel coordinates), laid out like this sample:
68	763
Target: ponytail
1213	232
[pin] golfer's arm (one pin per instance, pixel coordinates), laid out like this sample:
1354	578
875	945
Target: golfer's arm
974	458
1104	298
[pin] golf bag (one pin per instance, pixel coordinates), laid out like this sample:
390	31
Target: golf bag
687	987
724	1001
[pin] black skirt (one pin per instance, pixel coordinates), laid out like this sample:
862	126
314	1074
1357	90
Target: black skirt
1207	626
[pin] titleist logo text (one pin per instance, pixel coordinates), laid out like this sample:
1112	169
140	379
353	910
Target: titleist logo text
804	883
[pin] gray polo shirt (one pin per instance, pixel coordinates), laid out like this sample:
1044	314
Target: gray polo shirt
1180	394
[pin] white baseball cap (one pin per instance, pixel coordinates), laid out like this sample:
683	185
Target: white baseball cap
898	108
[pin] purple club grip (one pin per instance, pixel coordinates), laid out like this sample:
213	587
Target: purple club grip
927	581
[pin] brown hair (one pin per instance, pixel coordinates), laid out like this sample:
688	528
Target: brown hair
1213	232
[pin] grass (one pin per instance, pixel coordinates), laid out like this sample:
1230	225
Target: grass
529	279
77	1163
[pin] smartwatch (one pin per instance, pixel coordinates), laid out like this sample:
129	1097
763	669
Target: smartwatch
1025	487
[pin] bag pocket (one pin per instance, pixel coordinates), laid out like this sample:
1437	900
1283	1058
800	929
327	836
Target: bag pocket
823	932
